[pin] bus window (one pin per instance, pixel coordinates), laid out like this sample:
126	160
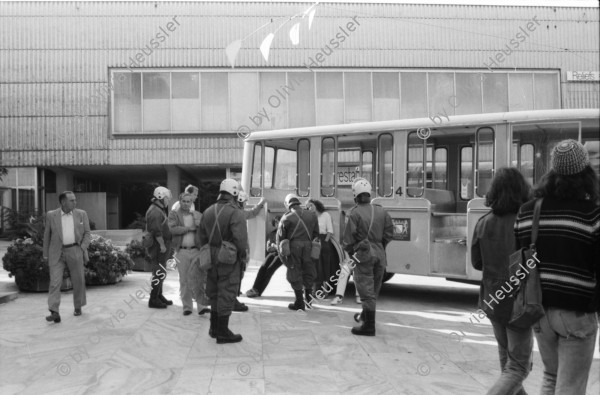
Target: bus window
384	171
590	140
466	173
367	166
303	167
485	160
415	181
542	138
327	167
440	166
255	187
526	162
269	167
429	167
284	169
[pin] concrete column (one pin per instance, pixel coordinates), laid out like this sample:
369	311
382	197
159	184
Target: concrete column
174	181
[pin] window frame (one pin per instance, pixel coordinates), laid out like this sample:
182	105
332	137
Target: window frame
476	170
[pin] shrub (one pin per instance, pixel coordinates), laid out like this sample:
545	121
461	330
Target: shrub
136	250
106	262
138	223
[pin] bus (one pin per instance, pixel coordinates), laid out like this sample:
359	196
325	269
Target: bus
430	174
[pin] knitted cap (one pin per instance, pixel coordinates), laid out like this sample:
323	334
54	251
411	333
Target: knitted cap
569	157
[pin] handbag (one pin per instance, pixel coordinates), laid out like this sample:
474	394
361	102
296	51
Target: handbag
527	303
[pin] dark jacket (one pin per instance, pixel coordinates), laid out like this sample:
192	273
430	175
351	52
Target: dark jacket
156	222
291	221
493	242
382	230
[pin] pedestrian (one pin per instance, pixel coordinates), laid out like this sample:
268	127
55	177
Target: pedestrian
248	214
368	231
192	190
328	262
298	227
66	241
223	278
157	225
270	265
182	224
493	243
568	254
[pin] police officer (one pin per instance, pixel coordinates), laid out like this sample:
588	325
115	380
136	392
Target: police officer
368	231
223	279
157	224
299	227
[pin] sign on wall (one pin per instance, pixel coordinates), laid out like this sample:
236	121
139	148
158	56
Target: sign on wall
401	228
583	76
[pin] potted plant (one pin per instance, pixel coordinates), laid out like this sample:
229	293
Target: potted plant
107	264
139	255
24	259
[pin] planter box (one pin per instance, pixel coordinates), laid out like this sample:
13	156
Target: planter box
41	285
141	265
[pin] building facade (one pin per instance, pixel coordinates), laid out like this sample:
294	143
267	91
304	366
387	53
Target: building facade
109	99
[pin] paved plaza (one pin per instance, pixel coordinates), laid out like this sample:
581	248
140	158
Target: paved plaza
428	342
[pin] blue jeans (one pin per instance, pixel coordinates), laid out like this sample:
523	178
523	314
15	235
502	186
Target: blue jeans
514	349
566	340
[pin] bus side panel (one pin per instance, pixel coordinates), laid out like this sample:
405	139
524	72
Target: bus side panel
475	210
408	252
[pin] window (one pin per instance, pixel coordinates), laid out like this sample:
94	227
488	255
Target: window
429	167
303	167
328	167
440	168
415	177
186	101
591	141
545	90
272	110
413	92
385	185
302	100
526	163
485	160
215	101
330	98
466	173
367	166
386	96
358	97
269	167
468	94
128	102
520	92
495	93
243	98
157	108
255	181
440	87
285	169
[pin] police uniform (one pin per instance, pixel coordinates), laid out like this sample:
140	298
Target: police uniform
301	269
368	273
223	280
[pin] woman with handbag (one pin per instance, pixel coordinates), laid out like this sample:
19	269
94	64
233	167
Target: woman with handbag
568	250
493	242
327	263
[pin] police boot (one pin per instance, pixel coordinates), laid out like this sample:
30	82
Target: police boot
224	335
368	326
155	302
214	317
298	303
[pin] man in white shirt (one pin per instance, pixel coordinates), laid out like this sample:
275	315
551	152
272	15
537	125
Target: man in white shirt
192	190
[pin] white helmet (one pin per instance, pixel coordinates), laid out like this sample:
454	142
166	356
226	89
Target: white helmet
361	185
230	186
161	193
290	200
242	197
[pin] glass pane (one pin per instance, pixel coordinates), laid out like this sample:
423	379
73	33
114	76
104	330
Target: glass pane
468	94
485	160
327	167
440	171
546	91
269	164
244	98
215	101
526	166
358	97
186	101
520	92
256	171
157	108
413	91
128	102
367	166
285	169
441	89
303	167
302	102
386	96
429	167
495	92
330	99
591	142
272	104
384	182
415	165
466	173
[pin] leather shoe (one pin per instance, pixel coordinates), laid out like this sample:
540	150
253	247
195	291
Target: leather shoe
204	311
187	312
77	312
239	306
54	316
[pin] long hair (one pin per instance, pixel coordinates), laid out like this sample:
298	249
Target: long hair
581	186
508	191
318	205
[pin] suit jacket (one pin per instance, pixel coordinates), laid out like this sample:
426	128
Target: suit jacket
53	238
177	226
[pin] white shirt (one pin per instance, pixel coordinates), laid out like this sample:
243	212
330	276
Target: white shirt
325	223
188	238
176	206
68	227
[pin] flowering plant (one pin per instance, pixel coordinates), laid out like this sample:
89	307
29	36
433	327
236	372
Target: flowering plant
136	250
107	263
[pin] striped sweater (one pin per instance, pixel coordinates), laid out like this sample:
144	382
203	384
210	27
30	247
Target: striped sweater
568	248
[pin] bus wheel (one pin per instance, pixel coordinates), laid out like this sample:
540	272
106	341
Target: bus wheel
387	276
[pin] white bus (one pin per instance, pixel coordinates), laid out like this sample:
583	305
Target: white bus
430	175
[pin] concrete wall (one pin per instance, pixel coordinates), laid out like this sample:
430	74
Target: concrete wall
94	203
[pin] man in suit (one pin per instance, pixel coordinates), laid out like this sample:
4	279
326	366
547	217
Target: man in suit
66	240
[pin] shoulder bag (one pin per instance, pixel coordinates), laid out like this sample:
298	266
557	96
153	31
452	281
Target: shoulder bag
527	304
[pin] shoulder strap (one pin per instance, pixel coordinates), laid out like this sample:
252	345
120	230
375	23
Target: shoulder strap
212	232
217	222
303	224
536	220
